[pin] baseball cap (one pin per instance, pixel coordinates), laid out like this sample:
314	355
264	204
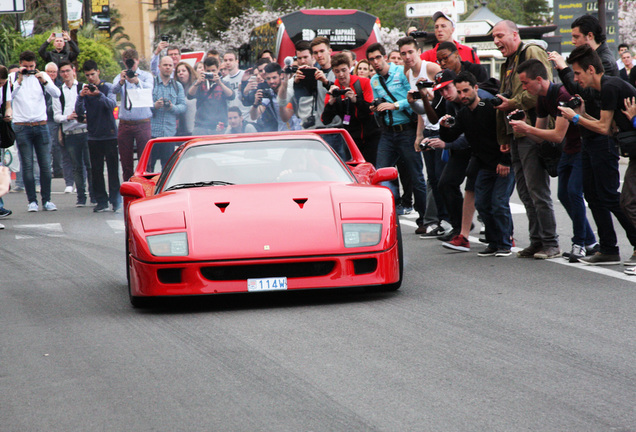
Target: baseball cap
439	14
443	78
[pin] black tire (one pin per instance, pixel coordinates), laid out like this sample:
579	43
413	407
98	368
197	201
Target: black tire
135	301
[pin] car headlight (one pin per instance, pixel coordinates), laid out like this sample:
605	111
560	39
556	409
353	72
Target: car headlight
175	244
361	234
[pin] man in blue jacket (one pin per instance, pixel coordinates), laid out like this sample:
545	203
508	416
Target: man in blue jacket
390	87
96	101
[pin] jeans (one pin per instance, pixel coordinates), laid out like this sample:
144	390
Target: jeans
601	179
33	141
128	134
533	187
492	201
434	167
59	154
77	146
99	151
394	145
449	186
570	193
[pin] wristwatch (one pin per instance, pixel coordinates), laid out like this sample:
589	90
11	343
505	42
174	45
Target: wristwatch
396	105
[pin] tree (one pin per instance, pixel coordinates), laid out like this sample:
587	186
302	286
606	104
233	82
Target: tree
627	23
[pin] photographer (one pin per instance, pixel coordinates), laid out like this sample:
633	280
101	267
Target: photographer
64	48
134	123
74	134
350	98
31	131
172	51
97	101
534	78
602	188
265	109
494	185
212	96
444	28
390	87
169	99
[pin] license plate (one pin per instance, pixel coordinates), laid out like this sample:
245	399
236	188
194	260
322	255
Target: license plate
267	284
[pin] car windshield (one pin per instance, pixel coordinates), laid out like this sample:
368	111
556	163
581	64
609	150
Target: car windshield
294	160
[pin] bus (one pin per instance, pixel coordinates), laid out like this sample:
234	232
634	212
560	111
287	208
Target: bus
348	29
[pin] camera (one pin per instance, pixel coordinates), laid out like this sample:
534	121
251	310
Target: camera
517	115
418	34
424	84
59	35
415	95
338	92
81	118
91	88
309	122
573	103
167	104
496	101
450	121
378	101
424	146
165	38
209	76
25	71
290	70
130	63
268	93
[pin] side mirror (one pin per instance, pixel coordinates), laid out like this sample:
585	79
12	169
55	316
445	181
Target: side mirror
384	174
132	190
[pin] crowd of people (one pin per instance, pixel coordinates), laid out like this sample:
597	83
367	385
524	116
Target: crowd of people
405	107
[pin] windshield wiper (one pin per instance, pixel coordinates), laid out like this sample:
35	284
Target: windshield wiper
199	184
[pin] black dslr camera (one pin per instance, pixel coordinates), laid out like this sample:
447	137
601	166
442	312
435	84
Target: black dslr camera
309	122
268	93
377	101
91	87
25	71
573	103
496	101
338	92
517	115
418	34
130	63
424	84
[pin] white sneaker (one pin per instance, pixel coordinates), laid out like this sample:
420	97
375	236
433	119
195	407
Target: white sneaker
1	226
49	206
630	271
33	207
68	189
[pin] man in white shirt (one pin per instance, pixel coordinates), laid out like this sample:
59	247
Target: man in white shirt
233	80
74	132
29	124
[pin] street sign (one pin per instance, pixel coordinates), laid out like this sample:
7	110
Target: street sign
12	6
473	28
428	9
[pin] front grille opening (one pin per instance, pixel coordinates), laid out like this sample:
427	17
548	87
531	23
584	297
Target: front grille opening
169	275
254	271
365	265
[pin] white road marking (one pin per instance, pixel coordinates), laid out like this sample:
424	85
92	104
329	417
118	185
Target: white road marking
39	230
117	225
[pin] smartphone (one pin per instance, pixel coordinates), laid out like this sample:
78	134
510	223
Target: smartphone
57	35
165	38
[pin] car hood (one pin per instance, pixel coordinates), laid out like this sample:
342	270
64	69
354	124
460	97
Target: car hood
263	221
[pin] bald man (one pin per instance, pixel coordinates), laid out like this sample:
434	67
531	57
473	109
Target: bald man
533	181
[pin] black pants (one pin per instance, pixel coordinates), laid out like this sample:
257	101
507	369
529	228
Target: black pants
449	187
101	151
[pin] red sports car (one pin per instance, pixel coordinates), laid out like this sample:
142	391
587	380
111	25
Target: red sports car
258	212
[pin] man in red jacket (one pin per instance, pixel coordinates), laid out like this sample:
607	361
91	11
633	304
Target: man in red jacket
444	27
350	98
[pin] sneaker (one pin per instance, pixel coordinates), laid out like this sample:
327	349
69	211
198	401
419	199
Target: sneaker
32	207
68	189
451	235
489	251
576	253
592	249
548	253
503	253
529	251
631	261
4	212
458	243
423	229
401	210
49	206
116	208
630	271
81	203
17	189
99	208
1	226
433	233
601	259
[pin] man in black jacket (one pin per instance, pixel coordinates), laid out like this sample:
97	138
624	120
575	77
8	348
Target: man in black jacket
587	30
64	49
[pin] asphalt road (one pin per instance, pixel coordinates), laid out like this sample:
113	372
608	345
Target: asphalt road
467	344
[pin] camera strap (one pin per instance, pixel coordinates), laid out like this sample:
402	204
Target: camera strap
383	83
127	102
